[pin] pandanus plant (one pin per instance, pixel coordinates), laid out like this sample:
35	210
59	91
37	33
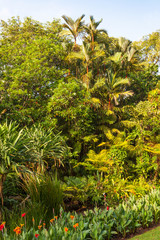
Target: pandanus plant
44	148
11	152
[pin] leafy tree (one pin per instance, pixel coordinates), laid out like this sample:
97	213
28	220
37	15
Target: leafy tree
142	82
149	47
31	66
143	134
71	106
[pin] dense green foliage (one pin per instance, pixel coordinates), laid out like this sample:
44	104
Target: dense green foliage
86	116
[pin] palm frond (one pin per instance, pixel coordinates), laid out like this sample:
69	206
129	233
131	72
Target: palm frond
121	81
68	20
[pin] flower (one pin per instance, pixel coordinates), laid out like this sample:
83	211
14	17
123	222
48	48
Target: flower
66	229
17	230
72	217
1	227
39	227
107	208
52	220
75	225
21	225
44	224
36	235
23	214
56	217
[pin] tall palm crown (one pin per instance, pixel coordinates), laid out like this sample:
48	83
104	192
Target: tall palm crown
74	27
115	87
87	56
92	30
130	61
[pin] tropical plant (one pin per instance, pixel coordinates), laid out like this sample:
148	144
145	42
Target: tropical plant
97	224
114	87
44	196
44	148
74	28
92	31
11	152
88	57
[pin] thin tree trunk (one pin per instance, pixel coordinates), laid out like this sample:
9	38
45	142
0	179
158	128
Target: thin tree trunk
104	69
92	42
76	71
87	78
3	178
156	173
109	104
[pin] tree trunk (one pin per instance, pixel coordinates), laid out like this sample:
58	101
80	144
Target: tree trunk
87	79
3	177
109	104
76	71
104	69
87	69
92	42
157	171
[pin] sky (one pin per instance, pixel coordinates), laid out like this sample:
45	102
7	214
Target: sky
131	19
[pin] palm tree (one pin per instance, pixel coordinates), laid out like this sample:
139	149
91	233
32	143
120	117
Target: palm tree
74	28
88	57
92	31
123	44
114	87
128	56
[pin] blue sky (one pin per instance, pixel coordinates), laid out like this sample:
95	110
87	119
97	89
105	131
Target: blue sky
131	19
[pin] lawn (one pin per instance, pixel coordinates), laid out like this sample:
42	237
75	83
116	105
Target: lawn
150	235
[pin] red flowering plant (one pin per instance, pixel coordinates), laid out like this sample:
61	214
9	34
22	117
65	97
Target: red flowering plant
36	235
23	214
105	201
1	227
